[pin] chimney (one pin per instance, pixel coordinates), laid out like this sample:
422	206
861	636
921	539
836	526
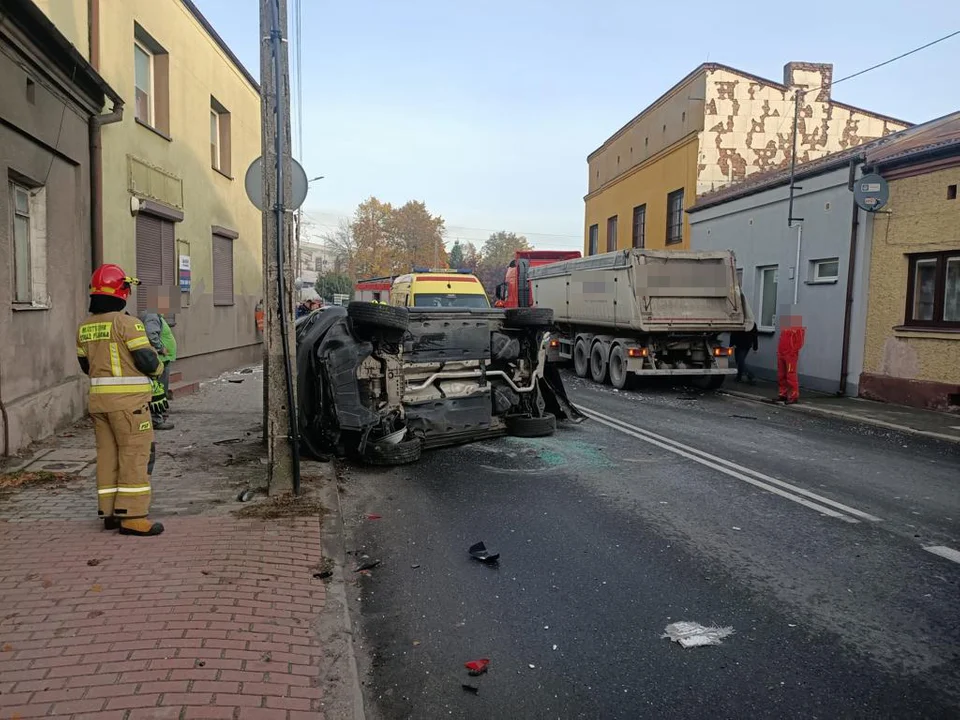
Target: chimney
809	76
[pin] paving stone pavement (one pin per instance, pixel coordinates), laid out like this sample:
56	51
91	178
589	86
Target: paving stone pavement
216	618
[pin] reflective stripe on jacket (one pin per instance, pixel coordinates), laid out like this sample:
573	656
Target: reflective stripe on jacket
108	342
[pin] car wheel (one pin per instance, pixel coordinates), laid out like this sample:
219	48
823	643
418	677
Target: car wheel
598	364
618	368
581	358
528	317
385	454
378	316
529	427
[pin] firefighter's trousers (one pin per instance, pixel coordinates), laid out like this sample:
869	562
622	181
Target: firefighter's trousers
788	382
125	454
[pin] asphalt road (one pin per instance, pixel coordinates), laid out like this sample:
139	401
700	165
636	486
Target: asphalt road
807	536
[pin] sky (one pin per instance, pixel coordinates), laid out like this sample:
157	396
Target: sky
487	111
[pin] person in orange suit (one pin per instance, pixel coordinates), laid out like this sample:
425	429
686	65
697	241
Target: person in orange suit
792	336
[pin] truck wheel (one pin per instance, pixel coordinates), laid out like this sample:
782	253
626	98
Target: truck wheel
378	316
618	368
528	426
385	454
533	317
598	364
581	358
710	382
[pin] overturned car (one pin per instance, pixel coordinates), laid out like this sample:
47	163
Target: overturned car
382	383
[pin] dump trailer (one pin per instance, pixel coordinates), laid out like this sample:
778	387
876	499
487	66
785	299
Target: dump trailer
644	313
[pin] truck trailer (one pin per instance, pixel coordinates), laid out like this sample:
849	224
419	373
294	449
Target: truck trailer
644	313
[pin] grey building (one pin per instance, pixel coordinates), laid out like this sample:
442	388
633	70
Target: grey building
51	97
808	267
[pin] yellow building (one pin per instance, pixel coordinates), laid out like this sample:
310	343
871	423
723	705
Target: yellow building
912	344
715	127
171	206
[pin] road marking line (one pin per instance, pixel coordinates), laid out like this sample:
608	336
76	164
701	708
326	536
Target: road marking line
739	472
944	552
740	468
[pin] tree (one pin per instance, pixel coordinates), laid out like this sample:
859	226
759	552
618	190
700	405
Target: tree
456	256
331	283
415	237
497	252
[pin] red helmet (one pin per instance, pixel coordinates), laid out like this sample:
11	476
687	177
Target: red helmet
111	280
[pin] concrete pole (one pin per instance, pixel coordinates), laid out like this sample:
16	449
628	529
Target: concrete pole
275	117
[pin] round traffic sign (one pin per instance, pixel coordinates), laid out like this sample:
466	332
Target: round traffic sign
253	183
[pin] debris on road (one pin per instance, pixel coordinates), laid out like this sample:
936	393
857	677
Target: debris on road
93	562
477	667
692	634
323	569
374	516
367	564
479	551
415	566
474	689
282	506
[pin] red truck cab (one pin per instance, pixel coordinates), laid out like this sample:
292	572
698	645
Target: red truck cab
516	290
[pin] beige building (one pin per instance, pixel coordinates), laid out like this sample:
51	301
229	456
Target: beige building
51	98
912	353
172	205
715	127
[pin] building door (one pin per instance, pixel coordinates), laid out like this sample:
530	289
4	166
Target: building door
156	255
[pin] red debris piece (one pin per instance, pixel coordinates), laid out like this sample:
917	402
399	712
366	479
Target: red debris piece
374	516
477	667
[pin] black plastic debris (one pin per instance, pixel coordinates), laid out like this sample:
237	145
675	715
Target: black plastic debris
367	564
236	381
472	689
479	552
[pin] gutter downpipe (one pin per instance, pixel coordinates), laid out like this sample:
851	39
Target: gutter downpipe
851	272
96	180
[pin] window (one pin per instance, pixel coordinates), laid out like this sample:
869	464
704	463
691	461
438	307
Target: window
151	65
143	83
767	282
222	270
824	271
675	217
594	240
612	234
933	290
28	213
639	226
318	264
219	137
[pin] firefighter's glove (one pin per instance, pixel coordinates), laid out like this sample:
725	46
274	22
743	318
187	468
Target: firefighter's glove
158	402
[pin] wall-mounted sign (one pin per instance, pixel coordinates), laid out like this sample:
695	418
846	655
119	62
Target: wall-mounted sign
184	273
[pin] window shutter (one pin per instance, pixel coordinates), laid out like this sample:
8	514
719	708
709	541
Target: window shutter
149	256
168	254
222	270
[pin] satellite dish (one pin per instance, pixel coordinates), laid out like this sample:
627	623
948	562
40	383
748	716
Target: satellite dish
871	192
253	183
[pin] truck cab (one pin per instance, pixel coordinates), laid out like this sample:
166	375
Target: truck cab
516	290
438	289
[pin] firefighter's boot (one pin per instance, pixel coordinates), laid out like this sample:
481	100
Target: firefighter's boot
143	527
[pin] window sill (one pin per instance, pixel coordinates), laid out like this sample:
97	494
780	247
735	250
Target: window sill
221	172
766	331
152	129
932	333
21	307
224	305
834	281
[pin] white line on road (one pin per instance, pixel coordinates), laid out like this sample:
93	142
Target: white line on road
753	477
944	552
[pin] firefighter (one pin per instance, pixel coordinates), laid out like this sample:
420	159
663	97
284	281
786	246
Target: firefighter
792	336
124	371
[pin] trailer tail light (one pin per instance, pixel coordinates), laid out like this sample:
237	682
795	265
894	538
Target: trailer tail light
637	352
722	351
554	343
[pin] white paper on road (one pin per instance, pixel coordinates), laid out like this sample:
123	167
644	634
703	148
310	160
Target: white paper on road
693	634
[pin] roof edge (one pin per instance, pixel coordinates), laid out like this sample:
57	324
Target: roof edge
215	36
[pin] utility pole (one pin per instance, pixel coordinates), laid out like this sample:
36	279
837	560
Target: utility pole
280	419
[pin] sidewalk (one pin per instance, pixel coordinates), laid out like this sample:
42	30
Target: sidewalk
942	426
216	618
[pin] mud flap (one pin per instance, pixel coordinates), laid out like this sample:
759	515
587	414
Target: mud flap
555	395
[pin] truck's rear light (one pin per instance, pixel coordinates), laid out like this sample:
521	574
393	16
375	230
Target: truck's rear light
723	351
554	343
636	352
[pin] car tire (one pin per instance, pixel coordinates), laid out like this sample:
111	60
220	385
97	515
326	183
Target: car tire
385	454
533	317
528	426
378	316
581	358
598	364
617	363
